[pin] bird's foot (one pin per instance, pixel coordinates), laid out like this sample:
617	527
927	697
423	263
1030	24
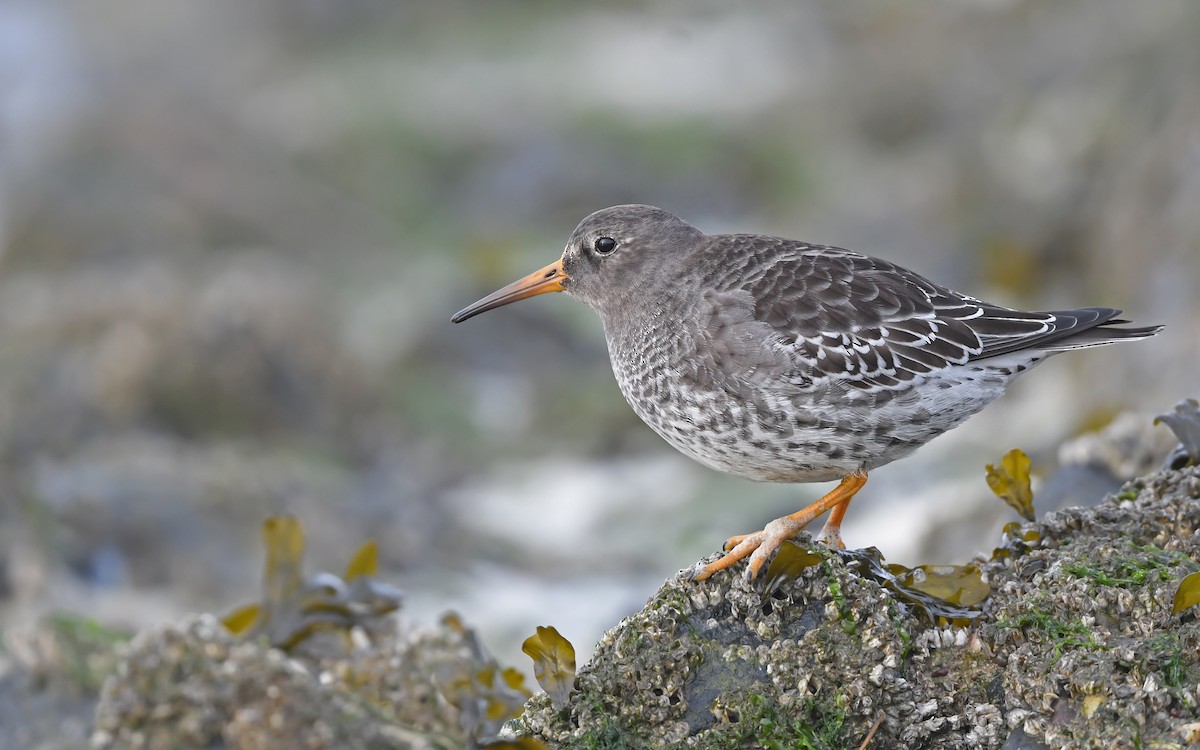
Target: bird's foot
831	537
759	547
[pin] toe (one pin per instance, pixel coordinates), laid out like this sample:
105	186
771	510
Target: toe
748	543
774	535
762	555
735	540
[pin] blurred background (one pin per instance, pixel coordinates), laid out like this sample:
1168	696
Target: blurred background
233	235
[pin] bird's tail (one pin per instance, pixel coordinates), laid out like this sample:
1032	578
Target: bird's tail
1093	326
1002	330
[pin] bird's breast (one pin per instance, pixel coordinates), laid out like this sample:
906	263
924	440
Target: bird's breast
753	430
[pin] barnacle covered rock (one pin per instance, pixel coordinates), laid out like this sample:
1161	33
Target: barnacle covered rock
320	663
194	684
1076	646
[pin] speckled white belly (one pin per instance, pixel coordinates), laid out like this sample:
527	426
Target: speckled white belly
820	435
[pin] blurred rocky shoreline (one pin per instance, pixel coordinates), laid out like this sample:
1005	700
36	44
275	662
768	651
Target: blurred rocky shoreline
232	235
231	238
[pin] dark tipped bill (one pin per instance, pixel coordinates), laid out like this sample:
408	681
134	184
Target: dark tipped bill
542	281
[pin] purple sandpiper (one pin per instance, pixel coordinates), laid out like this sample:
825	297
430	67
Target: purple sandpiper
781	361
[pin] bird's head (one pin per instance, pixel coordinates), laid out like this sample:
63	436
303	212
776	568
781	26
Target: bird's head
611	257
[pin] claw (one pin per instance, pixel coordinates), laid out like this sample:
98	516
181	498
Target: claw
735	540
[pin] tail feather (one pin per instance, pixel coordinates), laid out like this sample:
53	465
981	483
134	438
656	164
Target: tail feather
1063	330
1103	333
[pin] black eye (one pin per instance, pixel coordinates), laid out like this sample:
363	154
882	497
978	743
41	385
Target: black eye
604	246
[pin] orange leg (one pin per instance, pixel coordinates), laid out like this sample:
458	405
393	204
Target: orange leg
761	545
831	533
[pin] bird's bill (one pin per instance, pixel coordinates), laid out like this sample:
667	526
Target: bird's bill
542	281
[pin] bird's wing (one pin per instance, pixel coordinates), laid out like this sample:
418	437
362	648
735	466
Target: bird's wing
838	316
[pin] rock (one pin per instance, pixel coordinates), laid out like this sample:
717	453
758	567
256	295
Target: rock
1076	647
1096	464
49	678
192	684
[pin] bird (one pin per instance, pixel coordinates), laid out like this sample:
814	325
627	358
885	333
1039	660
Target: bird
783	361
